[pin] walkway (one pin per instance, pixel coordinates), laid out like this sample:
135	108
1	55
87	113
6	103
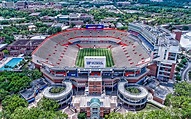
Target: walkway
5	61
70	113
150	100
37	99
156	103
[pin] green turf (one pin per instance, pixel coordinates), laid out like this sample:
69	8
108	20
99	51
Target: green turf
94	52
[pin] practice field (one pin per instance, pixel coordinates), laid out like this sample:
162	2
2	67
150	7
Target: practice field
94	52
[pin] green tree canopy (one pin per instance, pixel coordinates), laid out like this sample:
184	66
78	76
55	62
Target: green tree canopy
5	51
48	105
82	115
183	89
10	103
185	28
3	94
36	113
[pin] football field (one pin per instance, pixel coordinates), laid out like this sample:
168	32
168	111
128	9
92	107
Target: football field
94	52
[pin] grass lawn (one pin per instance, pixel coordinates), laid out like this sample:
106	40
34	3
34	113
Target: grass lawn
94	52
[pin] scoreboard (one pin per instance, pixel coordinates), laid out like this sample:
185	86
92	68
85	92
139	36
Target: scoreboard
95	61
94	26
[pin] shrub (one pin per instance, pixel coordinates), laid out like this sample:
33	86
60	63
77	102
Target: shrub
82	115
178	77
56	89
177	68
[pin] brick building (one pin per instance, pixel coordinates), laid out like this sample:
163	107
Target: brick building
23	46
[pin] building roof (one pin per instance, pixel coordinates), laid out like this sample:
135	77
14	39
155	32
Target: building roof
38	37
186	40
28	93
74	15
35	14
62	16
95	100
174	49
159	90
85	101
20	42
58	96
2	46
40	83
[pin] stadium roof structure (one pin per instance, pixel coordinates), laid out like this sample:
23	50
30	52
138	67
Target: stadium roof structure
61	49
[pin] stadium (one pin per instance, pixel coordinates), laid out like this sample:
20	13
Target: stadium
94	59
62	54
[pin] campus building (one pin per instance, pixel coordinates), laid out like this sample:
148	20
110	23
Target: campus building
36	87
95	106
23	46
137	100
163	47
62	97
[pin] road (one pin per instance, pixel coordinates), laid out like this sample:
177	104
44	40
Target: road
184	75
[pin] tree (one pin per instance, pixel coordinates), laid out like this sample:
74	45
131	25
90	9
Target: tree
12	82
18	83
183	89
1	115
10	103
180	101
177	68
183	61
42	29
53	30
186	112
82	115
181	65
5	51
123	28
185	28
48	105
4	22
168	101
114	115
178	77
22	113
189	75
72	25
40	24
3	94
36	113
35	74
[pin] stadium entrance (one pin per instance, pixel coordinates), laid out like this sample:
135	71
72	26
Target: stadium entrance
95	85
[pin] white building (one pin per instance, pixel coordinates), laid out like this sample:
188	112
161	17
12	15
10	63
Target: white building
185	41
